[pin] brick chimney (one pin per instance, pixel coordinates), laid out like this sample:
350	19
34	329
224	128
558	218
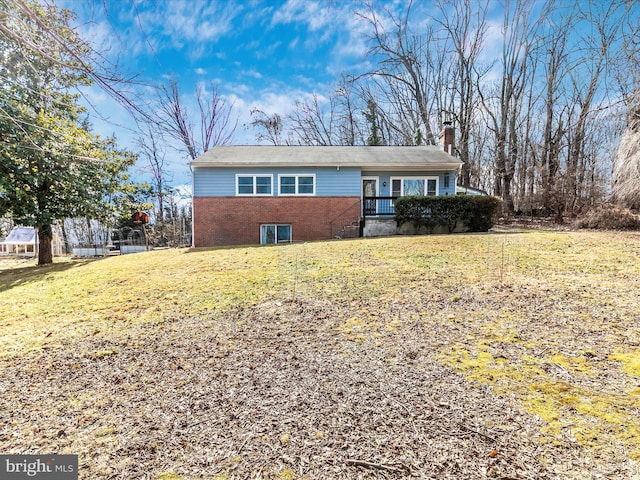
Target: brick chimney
448	137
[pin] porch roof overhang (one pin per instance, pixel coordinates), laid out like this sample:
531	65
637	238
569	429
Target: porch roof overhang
381	158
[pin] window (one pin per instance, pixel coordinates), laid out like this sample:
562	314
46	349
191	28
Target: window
297	184
272	234
254	184
401	187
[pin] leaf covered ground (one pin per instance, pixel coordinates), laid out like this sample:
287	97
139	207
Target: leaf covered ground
502	355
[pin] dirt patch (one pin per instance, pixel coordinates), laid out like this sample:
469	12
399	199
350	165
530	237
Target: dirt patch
274	391
512	355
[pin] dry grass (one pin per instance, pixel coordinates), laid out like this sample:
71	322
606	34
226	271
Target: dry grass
332	360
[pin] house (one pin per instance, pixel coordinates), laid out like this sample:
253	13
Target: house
465	190
274	194
23	241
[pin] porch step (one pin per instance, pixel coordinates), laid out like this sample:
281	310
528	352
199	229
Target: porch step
350	231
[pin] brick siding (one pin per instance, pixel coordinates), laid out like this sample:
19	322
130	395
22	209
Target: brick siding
236	220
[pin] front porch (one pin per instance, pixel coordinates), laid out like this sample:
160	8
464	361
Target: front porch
378	206
378	216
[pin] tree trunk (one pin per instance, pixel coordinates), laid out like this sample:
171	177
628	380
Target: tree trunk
65	239
90	232
45	236
507	196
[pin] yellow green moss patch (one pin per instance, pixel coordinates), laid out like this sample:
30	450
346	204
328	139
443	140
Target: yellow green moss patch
286	474
592	417
630	362
169	476
538	316
577	364
360	328
481	365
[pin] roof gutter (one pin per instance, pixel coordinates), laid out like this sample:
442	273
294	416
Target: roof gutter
369	166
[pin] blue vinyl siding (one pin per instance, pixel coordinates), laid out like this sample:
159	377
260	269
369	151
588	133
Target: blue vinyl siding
330	182
385	177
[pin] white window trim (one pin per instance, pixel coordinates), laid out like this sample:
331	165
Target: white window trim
426	179
365	177
276	238
254	175
297	176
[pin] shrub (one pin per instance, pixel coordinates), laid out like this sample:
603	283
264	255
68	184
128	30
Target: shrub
474	213
483	213
609	217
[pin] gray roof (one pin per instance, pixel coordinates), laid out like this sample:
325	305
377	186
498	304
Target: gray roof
470	190
380	158
22	235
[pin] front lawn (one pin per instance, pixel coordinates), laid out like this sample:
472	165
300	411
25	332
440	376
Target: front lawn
501	355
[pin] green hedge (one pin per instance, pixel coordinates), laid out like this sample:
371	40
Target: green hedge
465	212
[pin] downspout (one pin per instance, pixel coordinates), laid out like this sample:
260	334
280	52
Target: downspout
193	211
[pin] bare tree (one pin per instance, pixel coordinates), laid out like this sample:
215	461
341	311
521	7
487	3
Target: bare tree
626	187
398	117
405	61
586	86
152	151
465	24
525	176
553	57
311	125
505	107
349	130
334	119
215	124
269	127
626	167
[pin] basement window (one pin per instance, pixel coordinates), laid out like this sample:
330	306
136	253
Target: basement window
272	234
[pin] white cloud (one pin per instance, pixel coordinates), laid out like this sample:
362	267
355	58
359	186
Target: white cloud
267	51
269	100
251	73
107	117
272	102
198	21
492	42
138	27
315	14
106	31
182	197
350	50
259	56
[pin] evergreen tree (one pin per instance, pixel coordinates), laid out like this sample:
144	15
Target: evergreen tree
51	165
371	115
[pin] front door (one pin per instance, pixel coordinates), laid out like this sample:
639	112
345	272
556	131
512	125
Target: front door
369	189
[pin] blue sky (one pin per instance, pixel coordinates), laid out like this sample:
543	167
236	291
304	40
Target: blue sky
260	54
263	54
